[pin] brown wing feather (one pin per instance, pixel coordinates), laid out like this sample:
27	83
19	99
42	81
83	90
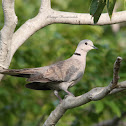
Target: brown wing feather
56	73
38	78
52	74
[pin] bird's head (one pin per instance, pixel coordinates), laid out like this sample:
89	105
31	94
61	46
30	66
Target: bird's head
85	46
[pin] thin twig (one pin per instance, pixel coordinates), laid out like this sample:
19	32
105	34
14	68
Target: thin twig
93	95
116	72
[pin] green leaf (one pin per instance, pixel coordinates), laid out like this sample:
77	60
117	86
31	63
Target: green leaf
114	107
99	10
99	106
96	9
110	6
93	7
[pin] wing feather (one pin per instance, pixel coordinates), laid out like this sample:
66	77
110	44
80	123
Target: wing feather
57	73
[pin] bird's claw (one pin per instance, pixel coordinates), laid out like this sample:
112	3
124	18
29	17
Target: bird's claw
68	96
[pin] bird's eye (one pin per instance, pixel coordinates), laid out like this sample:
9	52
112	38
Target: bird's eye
85	43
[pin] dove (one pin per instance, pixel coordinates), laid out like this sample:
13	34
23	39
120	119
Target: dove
59	76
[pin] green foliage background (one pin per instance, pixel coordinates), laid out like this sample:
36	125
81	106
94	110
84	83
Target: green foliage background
24	107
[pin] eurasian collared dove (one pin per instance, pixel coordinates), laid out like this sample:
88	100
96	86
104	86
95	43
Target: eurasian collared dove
58	76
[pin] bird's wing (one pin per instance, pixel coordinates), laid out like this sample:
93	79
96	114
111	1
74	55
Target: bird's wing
62	71
52	74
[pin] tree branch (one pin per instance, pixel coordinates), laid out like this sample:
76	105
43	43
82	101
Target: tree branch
45	4
10	18
48	16
45	17
93	95
31	26
116	70
10	21
10	42
85	18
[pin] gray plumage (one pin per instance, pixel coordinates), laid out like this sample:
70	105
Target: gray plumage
58	76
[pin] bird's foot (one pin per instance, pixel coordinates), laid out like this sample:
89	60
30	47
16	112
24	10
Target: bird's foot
68	94
57	95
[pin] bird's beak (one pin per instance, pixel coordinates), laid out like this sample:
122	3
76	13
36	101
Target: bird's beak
94	47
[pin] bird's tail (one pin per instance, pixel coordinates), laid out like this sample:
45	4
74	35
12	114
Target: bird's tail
17	72
37	86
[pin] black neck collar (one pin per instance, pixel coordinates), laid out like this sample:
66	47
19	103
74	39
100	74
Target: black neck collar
78	54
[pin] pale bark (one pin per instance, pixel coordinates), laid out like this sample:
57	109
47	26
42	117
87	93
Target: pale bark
95	94
72	102
10	41
6	34
49	16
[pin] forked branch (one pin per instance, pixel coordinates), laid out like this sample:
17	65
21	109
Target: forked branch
47	16
11	40
93	95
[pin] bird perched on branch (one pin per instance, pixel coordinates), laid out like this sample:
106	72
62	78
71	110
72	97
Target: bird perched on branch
58	76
